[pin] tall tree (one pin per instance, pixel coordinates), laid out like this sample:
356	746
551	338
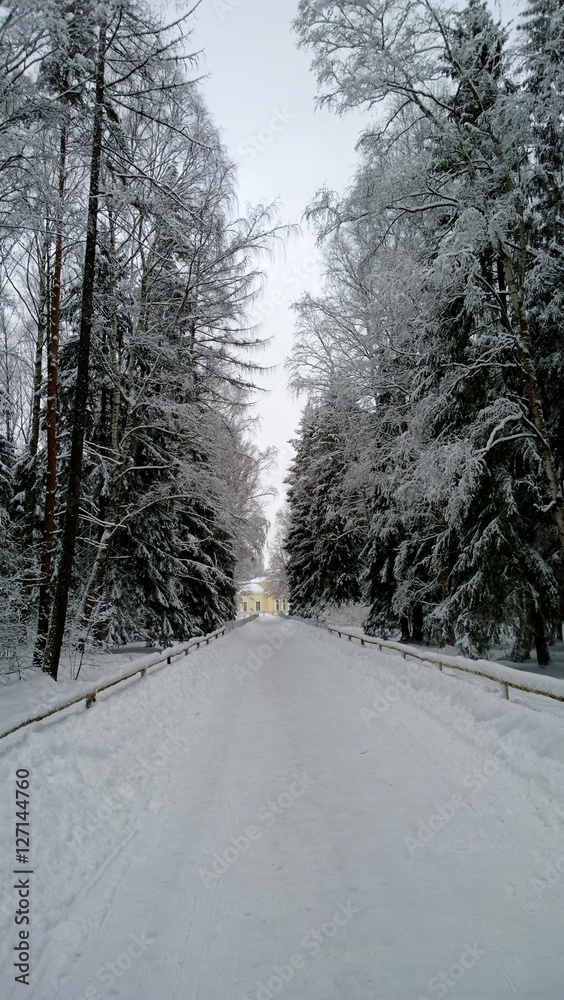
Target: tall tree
326	532
456	357
59	612
62	76
447	67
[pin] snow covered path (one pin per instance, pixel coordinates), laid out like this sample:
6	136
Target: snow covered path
288	815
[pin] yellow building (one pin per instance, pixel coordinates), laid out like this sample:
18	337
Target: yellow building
252	599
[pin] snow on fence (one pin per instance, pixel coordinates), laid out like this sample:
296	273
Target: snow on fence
152	660
548	687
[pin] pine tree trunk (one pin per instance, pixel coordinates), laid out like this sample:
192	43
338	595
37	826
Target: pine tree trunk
523	342
417	618
60	603
120	449
94	586
449	637
52	378
120	455
28	573
521	649
541	645
404	626
523	640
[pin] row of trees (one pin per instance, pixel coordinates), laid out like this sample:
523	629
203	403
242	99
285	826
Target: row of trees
128	490
430	462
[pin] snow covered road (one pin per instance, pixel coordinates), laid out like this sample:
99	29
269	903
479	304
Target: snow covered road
283	814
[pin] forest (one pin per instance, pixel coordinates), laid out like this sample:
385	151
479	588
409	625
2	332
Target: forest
129	490
428	478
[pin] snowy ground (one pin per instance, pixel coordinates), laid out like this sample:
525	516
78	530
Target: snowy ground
25	697
290	815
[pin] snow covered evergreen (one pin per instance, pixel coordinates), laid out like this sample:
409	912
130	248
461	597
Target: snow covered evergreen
126	279
326	528
444	278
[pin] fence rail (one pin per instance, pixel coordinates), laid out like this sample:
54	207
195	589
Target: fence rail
397	647
167	656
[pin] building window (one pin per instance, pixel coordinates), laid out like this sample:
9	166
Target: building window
244	606
283	605
278	605
257	605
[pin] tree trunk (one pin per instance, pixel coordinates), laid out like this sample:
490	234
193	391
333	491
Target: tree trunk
60	603
449	637
404	626
120	448
541	645
523	342
417	618
521	649
28	572
94	586
52	377
120	455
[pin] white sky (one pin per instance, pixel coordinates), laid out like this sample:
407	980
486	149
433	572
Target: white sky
256	78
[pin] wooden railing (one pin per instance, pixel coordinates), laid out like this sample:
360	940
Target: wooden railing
166	656
397	647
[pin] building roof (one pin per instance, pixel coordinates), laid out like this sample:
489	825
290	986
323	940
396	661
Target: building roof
252	585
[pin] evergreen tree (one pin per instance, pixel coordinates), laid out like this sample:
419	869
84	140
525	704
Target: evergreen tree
444	71
542	30
466	435
326	532
120	200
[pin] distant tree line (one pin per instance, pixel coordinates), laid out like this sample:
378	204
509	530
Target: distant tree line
428	479
128	488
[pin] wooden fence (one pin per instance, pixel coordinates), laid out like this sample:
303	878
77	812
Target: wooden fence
397	647
167	656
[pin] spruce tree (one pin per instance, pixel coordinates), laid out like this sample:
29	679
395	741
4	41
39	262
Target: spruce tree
327	530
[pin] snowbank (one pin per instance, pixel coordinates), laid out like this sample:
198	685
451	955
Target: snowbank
518	679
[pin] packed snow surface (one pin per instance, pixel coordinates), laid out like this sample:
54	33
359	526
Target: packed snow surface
288	814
